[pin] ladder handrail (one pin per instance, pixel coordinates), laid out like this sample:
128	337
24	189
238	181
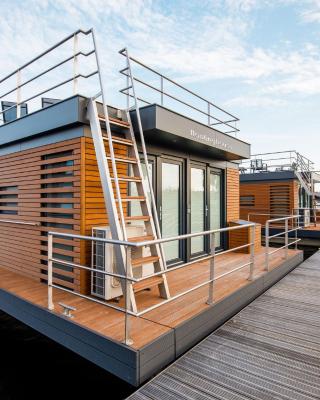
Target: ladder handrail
110	142
145	156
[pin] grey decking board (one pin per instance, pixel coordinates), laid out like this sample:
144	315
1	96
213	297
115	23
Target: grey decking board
269	350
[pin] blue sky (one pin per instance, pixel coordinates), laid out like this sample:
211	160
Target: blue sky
257	58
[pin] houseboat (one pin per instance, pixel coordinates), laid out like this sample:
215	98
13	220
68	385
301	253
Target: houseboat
120	233
278	184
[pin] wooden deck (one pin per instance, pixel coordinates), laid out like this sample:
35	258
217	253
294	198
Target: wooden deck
270	350
110	323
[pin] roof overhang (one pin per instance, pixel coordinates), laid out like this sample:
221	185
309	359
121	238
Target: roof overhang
268	176
164	127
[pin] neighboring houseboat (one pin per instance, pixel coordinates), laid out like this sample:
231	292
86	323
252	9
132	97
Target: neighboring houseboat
279	184
120	234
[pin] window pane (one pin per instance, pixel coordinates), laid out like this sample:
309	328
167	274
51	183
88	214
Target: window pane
171	207
197	208
215	205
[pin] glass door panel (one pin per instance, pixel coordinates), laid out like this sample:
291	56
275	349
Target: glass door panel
215	204
170	207
197	197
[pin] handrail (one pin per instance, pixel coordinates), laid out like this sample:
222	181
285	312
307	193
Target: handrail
209	105
211	257
13	221
286	236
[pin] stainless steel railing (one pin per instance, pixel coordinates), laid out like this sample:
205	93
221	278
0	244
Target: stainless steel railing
285	233
307	215
16	89
130	279
226	121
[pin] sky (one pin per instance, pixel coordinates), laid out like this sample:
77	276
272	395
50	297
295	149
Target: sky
258	59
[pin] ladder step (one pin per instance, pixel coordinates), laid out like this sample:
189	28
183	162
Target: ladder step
137	262
141	238
124	159
115	121
116	139
133	198
128	179
147	283
137	218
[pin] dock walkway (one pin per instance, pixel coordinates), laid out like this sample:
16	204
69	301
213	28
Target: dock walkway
269	350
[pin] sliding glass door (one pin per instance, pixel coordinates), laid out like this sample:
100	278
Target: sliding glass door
215	202
197	208
171	207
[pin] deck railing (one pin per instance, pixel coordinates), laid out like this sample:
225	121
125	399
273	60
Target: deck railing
307	215
126	309
285	233
130	279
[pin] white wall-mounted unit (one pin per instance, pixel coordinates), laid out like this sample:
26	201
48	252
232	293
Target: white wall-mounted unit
103	258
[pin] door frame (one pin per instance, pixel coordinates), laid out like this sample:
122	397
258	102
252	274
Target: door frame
182	210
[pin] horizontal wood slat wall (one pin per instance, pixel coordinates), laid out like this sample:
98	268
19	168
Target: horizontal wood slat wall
42	186
93	211
287	193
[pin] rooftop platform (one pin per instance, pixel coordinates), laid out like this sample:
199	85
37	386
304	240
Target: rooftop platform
269	350
97	332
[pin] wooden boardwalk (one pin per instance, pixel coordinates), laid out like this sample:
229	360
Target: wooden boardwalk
270	350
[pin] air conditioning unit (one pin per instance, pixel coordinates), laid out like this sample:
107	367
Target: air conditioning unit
104	259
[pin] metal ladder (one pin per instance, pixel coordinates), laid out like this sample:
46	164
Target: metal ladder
114	199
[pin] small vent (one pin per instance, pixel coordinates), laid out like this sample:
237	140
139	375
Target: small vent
280	199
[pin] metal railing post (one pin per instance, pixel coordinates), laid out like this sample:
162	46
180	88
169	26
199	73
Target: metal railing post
75	64
18	93
252	250
127	340
296	233
212	264
266	268
50	268
209	114
286	236
161	83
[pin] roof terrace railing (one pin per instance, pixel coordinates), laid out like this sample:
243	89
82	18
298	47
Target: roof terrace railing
227	123
289	160
16	89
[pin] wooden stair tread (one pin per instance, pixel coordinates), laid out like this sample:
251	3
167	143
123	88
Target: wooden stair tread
140	238
136	262
123	159
128	178
137	218
132	198
115	121
147	283
119	140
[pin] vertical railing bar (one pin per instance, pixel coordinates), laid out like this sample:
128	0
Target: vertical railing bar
296	233
212	265
50	251
267	246
161	83
75	64
127	340
18	93
209	121
252	230
286	236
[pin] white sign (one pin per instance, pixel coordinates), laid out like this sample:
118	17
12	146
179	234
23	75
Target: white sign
212	139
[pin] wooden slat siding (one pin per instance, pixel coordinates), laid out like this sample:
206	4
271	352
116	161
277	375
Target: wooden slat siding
261	193
243	236
93	212
23	248
232	187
